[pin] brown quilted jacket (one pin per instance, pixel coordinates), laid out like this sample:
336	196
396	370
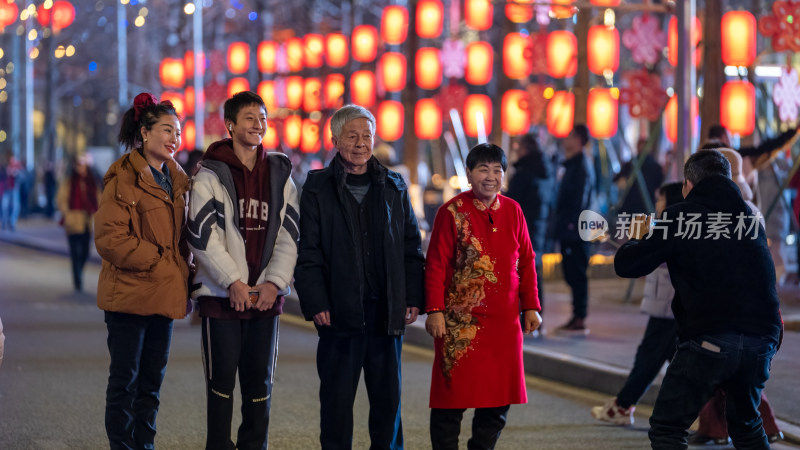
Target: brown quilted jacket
138	233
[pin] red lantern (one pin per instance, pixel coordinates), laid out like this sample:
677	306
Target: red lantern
172	72
394	24
294	92
515	47
312	95
238	57
365	43
362	88
334	90
8	13
294	54
428	70
188	95
478	14
177	102
270	140
189	135
236	85
605	3
738	38
560	114
266	90
292	131
309	141
477	104
603	51
671	117
672	40
515	114
562	12
188	63
562	54
336	50
602	110
737	109
312	50
326	135
519	11
392	70
430	18
480	60
390	120
427	119
267	56
60	15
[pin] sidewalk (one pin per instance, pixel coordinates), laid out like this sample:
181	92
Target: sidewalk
599	361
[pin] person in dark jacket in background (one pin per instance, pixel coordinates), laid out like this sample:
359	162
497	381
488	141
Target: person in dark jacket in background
653	176
726	304
359	277
575	194
533	186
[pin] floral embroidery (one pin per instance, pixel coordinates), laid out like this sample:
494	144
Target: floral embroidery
481	207
466	291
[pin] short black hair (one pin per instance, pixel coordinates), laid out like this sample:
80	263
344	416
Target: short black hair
582	131
528	142
486	153
712	145
241	100
672	192
704	164
717	131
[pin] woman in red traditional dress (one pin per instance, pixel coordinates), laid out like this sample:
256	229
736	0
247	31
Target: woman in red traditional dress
479	274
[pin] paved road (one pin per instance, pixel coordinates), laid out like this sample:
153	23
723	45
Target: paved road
53	378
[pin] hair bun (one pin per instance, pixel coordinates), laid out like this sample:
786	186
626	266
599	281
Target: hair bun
141	102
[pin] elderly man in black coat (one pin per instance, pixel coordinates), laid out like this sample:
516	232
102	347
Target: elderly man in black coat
726	304
359	276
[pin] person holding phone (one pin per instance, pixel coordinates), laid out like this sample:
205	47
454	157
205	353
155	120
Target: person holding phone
243	216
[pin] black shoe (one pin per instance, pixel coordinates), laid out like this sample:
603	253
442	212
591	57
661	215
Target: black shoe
576	326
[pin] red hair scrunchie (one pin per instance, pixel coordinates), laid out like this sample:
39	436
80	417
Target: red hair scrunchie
141	102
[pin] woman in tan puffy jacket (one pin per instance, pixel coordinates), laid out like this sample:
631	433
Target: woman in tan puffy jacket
143	282
77	200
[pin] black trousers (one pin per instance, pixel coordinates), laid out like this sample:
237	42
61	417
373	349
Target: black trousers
139	350
486	427
575	263
340	360
78	253
251	346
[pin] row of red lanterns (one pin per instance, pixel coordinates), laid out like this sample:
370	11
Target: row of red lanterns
737	114
478	14
59	15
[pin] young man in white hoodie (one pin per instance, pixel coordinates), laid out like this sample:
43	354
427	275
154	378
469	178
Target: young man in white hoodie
243	216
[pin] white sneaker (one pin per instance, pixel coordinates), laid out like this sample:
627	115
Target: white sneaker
611	412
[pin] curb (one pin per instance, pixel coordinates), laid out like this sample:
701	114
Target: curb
36	244
547	364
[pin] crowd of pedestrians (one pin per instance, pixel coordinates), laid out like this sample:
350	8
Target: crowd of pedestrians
230	239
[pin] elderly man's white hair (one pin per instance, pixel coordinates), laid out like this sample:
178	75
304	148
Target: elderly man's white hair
347	113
